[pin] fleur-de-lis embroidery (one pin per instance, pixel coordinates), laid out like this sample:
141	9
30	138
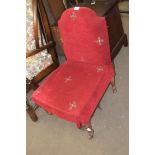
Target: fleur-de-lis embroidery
72	105
99	69
99	41
73	16
69	78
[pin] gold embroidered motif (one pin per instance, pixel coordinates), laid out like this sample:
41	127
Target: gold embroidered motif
69	78
73	16
99	41
72	105
99	69
82	59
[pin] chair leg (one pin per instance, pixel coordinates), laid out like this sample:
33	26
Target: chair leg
125	41
99	107
89	129
113	85
31	111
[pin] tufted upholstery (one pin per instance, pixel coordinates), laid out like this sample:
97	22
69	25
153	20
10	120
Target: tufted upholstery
73	91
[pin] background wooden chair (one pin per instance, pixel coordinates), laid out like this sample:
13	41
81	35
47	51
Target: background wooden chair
41	57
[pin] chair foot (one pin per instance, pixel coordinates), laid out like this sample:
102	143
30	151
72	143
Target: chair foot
99	107
89	130
113	85
90	133
31	113
125	41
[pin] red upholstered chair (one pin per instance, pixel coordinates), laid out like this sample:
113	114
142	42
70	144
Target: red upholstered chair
74	89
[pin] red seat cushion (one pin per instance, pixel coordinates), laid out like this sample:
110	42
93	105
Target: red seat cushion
73	91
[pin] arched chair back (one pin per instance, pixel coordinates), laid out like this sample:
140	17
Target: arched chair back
85	36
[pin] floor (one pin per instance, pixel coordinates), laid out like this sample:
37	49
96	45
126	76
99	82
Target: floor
53	136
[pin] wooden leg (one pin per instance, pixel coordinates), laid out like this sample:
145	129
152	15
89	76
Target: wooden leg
31	112
99	107
125	41
89	130
113	85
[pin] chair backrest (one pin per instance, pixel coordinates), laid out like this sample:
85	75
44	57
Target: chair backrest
84	36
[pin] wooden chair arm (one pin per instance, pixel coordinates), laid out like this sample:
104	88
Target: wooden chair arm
49	45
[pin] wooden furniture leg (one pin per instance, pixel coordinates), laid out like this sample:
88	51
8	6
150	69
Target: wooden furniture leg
113	85
125	41
99	107
31	112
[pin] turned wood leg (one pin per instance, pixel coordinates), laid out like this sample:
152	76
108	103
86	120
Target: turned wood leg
89	129
113	85
31	112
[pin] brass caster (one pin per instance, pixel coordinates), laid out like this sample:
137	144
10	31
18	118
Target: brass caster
90	133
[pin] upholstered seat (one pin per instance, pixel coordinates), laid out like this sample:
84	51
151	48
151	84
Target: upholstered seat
36	63
72	89
75	88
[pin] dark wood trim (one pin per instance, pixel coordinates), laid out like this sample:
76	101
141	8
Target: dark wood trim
123	41
35	23
45	72
49	45
31	112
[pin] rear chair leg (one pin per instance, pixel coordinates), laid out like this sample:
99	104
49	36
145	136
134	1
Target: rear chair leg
112	82
99	107
31	113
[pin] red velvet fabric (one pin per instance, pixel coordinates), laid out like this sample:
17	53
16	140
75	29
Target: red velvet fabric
73	91
81	35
